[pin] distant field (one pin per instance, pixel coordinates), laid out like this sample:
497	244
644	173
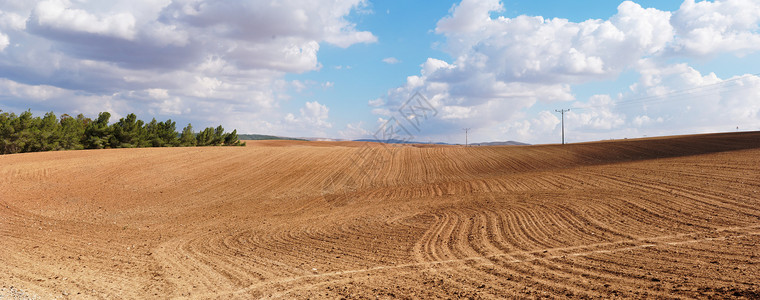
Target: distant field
674	217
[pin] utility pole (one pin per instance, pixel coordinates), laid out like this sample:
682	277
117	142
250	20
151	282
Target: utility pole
563	111
466	130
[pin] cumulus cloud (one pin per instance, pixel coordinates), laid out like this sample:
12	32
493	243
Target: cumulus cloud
4	41
645	120
709	28
56	15
197	60
596	114
354	131
532	49
502	67
313	115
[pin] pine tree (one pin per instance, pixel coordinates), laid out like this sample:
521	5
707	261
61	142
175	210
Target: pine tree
98	133
187	139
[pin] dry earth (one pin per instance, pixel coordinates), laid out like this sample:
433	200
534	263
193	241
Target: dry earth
675	217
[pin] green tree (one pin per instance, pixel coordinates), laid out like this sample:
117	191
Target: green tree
231	139
23	136
128	132
205	137
47	133
153	129
72	132
7	130
98	133
187	138
168	133
218	136
26	133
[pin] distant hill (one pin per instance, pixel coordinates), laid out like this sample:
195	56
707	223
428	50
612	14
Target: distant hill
389	141
507	143
395	141
256	137
320	139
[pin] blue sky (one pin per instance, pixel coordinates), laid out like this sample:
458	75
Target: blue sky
341	69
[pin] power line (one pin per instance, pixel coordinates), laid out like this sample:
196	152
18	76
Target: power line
466	131
563	111
673	95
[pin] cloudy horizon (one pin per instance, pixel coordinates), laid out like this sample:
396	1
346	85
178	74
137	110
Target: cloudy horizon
341	69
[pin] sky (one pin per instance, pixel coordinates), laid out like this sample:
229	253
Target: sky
415	70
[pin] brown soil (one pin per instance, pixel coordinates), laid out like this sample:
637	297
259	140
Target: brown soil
675	217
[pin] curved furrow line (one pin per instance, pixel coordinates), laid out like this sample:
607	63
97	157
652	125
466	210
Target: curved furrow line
387	238
174	261
557	287
564	228
440	244
693	193
281	257
558	228
551	269
432	246
441	247
468	242
516	262
317	256
717	203
585	223
648	267
261	267
529	278
235	267
535	228
680	246
594	278
612	212
599	252
527	222
491	238
640	220
666	211
515	233
719	249
589	279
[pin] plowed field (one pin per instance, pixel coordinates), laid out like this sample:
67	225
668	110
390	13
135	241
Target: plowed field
675	217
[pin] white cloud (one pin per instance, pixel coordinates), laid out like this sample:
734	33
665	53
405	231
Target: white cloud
534	49
645	120
376	102
57	15
391	60
158	93
206	61
313	116
502	66
4	41
30	92
12	21
469	16
708	28
596	114
354	131
531	130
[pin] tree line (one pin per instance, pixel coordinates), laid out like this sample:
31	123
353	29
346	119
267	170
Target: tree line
26	133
